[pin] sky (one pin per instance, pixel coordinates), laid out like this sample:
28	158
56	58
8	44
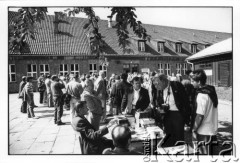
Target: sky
211	19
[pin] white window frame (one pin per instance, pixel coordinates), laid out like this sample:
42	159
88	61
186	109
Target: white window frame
184	68
141	45
103	68
161	68
178	68
12	73
194	48
92	69
160	46
64	72
75	70
31	73
44	69
178	47
168	69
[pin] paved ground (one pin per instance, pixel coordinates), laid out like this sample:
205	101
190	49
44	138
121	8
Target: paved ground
42	136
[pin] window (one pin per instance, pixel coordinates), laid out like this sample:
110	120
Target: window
184	68
12	73
63	69
160	68
74	69
134	68
44	69
178	68
141	46
160	47
126	68
32	70
167	69
194	48
92	68
103	68
178	47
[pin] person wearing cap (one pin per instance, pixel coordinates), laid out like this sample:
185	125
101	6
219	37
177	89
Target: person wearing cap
24	103
30	97
56	87
91	139
121	136
75	89
100	86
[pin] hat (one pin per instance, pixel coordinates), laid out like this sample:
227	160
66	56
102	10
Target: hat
24	77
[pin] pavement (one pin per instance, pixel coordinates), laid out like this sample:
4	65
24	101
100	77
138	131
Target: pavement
42	136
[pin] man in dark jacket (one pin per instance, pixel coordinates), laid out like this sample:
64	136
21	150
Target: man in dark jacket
137	99
57	93
24	103
91	141
118	91
177	109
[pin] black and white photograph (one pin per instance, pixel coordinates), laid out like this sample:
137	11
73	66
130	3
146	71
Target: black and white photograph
149	83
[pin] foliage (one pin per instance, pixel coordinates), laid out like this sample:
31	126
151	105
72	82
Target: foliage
24	24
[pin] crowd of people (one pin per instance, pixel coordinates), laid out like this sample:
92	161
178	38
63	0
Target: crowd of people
173	101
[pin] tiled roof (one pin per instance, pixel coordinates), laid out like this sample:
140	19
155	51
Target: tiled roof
73	40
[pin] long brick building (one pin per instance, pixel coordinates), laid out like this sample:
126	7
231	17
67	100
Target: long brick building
68	50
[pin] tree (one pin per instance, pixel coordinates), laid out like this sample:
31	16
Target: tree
23	25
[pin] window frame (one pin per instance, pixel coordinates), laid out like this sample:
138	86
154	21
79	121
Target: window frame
91	65
193	48
141	46
178	47
178	68
74	68
184	68
160	48
167	69
32	72
63	72
44	69
161	68
12	73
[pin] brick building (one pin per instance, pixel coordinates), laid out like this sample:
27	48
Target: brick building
65	48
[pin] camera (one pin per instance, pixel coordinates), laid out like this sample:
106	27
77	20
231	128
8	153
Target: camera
165	107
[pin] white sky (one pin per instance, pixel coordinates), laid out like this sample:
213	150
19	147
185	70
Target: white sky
211	19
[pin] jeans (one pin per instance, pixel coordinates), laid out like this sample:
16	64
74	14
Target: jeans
58	104
50	100
207	144
41	97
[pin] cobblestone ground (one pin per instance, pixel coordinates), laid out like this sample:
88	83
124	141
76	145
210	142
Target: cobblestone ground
42	136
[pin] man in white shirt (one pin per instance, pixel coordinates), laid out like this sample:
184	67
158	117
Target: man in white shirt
206	121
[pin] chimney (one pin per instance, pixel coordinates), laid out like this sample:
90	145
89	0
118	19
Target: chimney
110	21
56	21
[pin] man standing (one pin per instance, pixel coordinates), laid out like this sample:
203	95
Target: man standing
101	92
75	89
30	97
24	103
57	93
137	99
206	121
177	109
49	92
118	91
41	87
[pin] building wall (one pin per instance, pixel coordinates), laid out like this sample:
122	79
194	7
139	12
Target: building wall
115	66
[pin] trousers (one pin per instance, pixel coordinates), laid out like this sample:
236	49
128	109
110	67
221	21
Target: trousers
58	104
